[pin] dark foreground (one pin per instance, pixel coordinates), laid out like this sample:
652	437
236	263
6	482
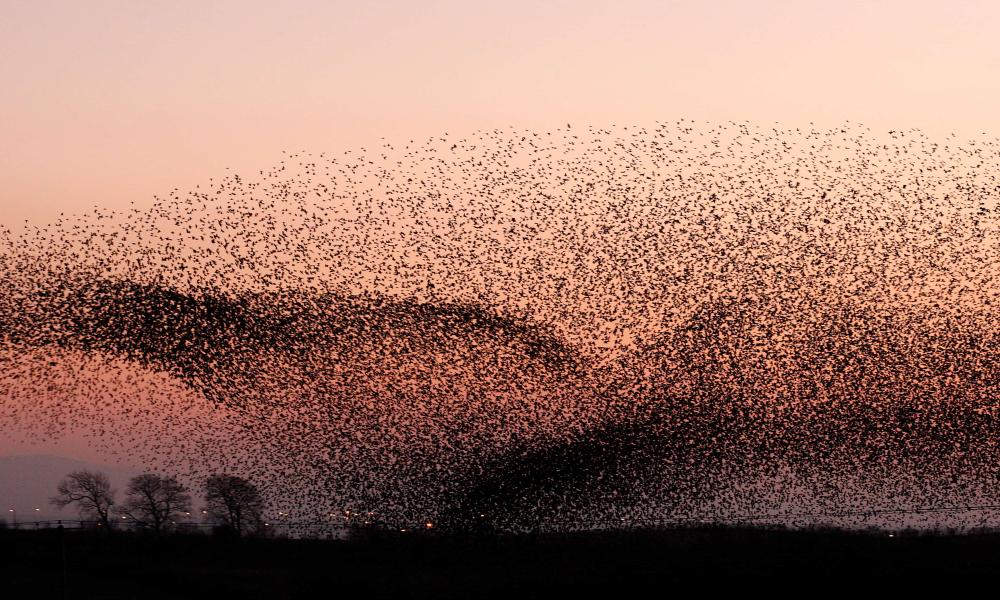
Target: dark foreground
646	564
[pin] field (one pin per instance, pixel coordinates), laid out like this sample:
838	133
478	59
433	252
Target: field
573	565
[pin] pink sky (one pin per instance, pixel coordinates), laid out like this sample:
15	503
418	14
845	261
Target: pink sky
106	102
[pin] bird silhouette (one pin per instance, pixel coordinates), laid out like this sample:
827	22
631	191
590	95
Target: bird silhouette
515	329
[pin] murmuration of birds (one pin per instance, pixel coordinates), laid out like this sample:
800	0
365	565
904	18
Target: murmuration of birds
528	331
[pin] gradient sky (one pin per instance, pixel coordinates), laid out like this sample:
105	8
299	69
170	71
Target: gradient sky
110	102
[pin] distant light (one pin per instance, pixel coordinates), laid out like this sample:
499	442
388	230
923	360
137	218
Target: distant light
37	509
892	535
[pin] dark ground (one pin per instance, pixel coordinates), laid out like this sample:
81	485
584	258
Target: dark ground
634	564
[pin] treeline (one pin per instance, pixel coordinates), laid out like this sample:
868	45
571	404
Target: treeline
158	502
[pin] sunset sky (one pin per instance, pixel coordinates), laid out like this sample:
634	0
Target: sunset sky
105	103
365	242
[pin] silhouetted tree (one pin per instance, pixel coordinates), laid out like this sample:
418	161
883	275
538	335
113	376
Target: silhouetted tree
234	501
155	501
90	491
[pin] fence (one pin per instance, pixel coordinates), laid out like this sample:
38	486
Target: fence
340	530
311	529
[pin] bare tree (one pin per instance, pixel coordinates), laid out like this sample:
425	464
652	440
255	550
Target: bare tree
234	501
155	501
90	491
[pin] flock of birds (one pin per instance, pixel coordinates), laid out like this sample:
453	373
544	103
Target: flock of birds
523	330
